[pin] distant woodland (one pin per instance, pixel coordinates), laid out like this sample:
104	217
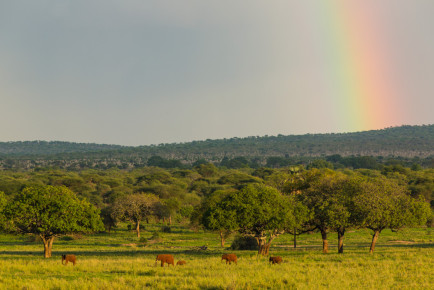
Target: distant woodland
185	180
406	145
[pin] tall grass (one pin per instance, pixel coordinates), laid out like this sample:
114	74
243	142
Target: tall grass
119	261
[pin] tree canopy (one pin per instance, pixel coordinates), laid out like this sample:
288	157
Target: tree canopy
256	210
49	212
384	203
135	208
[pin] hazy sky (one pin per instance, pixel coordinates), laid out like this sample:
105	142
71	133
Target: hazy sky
147	72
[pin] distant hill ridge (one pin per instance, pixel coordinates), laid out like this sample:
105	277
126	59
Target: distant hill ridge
51	147
403	141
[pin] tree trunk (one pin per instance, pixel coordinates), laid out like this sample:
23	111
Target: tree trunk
374	240
264	246
341	233
267	248
138	229
295	238
222	239
325	242
263	249
48	245
170	220
261	245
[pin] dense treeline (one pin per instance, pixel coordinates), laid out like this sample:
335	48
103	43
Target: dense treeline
190	186
407	144
262	202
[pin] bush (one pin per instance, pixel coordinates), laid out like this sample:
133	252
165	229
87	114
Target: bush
244	243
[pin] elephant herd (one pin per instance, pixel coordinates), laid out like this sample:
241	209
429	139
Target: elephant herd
169	260
229	258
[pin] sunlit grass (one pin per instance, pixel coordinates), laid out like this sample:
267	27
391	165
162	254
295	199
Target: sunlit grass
119	261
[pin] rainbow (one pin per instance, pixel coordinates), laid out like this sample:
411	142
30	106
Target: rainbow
360	73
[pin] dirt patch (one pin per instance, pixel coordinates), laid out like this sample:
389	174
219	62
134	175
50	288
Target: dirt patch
129	245
403	242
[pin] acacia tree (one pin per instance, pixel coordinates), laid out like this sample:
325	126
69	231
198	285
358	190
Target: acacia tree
49	212
290	181
259	211
384	203
264	213
170	206
341	206
301	217
135	208
217	218
329	195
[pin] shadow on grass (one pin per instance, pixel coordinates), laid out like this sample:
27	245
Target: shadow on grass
422	246
132	253
153	252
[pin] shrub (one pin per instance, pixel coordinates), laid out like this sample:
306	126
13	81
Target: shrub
244	243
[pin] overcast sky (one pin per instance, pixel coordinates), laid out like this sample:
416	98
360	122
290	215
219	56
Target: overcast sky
148	72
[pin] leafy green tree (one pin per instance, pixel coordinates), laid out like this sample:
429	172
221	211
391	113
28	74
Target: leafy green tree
301	217
237	179
259	211
49	212
319	163
108	218
384	203
329	195
421	183
206	169
168	208
216	217
278	179
263	172
288	181
341	205
135	208
185	212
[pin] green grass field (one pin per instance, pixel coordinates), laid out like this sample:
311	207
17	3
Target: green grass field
118	261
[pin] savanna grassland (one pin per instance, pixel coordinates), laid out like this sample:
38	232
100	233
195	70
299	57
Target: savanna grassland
119	260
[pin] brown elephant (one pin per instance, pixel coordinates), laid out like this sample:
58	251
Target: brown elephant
165	258
275	260
229	258
69	258
181	262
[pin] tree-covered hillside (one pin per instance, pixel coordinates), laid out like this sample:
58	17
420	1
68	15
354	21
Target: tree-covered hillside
48	148
408	142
